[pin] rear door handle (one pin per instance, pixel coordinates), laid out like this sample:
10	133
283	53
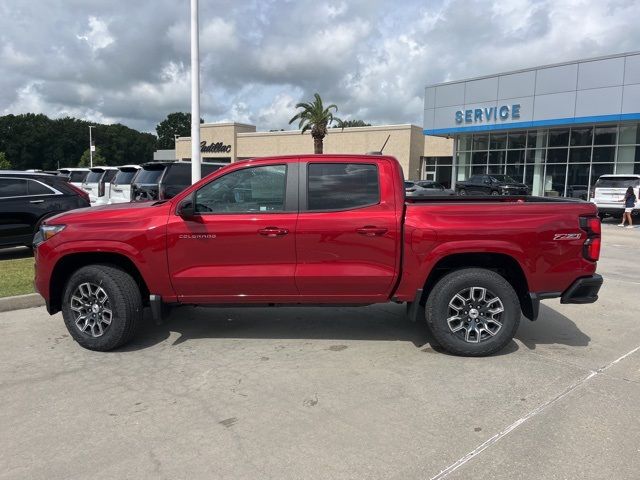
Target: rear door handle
273	231
36	201
372	231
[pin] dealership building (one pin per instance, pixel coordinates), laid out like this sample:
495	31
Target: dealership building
421	157
556	128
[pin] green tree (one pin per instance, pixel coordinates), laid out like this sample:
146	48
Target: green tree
4	163
98	159
316	117
176	123
352	123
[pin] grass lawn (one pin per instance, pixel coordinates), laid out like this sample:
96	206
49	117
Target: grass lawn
16	277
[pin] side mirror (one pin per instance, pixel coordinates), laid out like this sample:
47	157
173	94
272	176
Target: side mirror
186	208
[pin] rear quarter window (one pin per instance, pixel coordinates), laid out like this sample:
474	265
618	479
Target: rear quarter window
124	177
342	186
77	177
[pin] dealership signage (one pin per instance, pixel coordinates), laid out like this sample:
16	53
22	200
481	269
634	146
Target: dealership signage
218	147
488	114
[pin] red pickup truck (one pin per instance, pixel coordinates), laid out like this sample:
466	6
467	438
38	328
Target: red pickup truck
319	230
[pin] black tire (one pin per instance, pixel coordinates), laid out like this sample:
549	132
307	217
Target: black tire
438	311
462	191
123	300
495	192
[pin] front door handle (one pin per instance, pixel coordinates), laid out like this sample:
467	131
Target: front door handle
36	201
372	231
273	232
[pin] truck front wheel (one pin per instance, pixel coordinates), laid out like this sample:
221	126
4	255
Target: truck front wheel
473	312
101	307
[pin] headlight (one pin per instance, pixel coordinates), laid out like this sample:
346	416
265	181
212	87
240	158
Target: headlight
48	231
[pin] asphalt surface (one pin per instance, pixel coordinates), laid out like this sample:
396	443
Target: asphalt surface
331	393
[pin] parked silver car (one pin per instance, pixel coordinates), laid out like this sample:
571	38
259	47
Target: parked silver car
423	188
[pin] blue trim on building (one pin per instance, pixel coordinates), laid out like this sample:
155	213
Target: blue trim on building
534	124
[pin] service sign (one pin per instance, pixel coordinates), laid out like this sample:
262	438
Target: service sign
488	114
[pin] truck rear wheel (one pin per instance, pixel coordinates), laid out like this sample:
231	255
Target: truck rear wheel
101	307
473	312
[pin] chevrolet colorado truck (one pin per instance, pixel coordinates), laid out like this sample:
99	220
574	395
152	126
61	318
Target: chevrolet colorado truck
319	230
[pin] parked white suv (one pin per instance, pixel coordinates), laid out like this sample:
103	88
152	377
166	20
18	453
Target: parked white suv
609	193
122	184
98	184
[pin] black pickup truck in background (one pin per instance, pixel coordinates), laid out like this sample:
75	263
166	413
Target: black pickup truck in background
491	185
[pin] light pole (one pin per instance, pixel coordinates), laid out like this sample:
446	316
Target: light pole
195	95
91	147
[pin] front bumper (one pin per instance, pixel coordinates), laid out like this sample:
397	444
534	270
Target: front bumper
583	290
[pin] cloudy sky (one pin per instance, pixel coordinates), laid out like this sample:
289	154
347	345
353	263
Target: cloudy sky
128	61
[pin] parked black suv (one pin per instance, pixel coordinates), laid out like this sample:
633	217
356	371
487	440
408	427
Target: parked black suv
491	185
164	180
26	199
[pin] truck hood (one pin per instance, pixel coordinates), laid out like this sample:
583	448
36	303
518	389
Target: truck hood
118	212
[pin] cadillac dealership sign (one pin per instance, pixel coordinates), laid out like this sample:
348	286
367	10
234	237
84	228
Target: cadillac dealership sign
488	114
218	147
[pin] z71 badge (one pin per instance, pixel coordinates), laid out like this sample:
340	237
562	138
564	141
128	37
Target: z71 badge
567	236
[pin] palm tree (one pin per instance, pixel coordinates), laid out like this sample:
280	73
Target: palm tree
315	117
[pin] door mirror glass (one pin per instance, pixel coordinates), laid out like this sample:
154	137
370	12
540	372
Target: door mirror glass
186	208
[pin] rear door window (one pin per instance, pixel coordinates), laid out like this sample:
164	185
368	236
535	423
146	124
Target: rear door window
11	187
341	186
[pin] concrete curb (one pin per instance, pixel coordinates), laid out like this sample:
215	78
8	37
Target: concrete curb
21	301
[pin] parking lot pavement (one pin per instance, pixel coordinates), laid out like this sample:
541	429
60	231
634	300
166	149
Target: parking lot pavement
330	393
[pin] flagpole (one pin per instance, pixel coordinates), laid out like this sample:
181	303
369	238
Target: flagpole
195	95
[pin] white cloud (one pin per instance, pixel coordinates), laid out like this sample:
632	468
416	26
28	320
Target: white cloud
98	35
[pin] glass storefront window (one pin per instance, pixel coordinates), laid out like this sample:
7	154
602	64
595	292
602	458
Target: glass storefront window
578	181
497	156
517	140
559	138
464	143
604	154
498	141
480	141
581	137
628	154
557	155
605	136
554	180
629	134
537	139
515	156
536	156
479	158
580	155
516	172
557	161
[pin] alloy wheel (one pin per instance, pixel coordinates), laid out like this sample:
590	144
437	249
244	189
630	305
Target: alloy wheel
475	314
91	309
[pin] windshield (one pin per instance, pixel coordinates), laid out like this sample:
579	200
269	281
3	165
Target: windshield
617	182
149	175
124	177
503	179
94	177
